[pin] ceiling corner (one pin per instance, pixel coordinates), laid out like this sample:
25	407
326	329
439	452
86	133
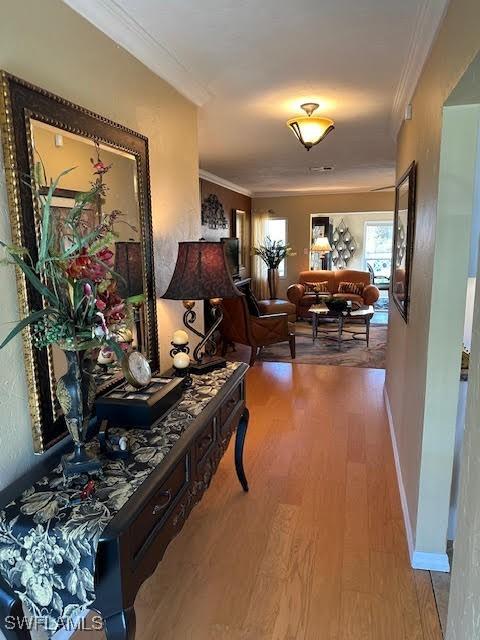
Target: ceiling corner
429	19
119	26
221	182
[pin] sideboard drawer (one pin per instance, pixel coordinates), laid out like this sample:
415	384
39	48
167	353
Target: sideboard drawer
205	442
230	403
159	505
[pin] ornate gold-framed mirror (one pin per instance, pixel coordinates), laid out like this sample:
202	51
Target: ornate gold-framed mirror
42	129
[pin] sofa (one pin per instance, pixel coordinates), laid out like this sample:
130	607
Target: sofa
303	297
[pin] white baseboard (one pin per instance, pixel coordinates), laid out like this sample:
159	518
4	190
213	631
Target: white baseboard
418	559
431	561
398	468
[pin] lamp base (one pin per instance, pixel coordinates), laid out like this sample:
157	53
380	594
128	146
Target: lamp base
207	364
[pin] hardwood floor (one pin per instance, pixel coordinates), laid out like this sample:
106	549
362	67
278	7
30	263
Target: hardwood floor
317	549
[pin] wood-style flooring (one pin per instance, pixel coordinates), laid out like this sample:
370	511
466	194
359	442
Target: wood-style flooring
317	549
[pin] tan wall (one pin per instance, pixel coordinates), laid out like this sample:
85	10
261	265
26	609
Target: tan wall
120	181
50	45
297	210
230	200
456	45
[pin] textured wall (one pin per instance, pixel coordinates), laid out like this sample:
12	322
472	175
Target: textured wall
297	210
456	45
50	45
464	607
230	200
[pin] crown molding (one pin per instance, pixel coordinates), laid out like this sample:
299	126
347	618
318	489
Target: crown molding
122	28
211	177
293	194
429	19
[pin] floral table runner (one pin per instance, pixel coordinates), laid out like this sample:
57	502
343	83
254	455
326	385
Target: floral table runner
49	539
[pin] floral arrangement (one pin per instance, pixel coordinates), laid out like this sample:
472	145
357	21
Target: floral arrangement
73	273
273	252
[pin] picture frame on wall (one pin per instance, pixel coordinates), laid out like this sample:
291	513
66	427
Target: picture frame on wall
239	230
403	240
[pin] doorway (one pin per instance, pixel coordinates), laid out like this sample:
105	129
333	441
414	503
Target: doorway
450	388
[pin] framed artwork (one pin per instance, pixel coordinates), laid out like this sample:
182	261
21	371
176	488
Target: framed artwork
239	230
403	239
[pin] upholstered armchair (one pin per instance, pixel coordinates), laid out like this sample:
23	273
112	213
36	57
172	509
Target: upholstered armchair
240	326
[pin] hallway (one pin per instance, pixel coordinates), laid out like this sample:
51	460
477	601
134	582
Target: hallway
317	549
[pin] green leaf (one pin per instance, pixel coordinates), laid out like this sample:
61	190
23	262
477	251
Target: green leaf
33	317
116	348
45	229
31	275
138	299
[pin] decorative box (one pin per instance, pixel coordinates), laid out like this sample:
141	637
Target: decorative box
126	406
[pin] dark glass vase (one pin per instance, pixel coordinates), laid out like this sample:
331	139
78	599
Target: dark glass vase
76	395
272	276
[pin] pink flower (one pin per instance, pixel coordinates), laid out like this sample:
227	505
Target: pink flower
106	256
100	168
100	304
87	290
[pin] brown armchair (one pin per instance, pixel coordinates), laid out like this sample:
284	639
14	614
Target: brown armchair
240	326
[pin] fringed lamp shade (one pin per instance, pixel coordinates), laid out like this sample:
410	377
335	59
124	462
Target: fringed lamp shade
201	273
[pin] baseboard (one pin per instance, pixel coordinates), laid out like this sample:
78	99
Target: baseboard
418	559
398	469
431	561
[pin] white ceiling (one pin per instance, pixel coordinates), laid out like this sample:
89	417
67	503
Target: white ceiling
251	63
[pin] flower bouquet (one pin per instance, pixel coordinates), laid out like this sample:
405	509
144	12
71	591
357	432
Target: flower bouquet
273	252
82	311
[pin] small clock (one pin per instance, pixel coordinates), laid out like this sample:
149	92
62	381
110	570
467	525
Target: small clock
136	369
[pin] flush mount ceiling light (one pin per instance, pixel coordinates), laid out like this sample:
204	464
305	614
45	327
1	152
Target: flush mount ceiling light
310	130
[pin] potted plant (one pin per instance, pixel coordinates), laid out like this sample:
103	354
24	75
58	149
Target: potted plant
82	311
273	252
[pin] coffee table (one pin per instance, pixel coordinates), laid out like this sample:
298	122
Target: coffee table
320	310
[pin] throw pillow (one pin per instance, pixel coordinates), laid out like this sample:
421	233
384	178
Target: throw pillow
351	287
316	287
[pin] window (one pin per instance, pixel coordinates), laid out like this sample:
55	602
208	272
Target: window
378	247
277	230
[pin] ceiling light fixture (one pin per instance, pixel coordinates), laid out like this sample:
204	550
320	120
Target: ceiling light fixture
310	130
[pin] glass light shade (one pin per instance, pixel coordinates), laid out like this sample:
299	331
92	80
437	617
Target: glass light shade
322	245
310	130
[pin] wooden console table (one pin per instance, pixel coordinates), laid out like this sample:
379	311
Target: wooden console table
135	533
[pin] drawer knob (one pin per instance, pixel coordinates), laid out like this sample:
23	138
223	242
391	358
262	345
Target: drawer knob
161	505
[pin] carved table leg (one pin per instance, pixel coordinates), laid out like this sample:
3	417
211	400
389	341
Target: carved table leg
13	623
239	442
121	626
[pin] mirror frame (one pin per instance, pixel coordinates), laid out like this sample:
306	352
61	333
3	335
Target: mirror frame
410	178
21	101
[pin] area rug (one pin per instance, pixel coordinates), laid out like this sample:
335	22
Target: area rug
353	352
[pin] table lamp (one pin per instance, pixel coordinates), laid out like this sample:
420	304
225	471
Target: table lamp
321	246
201	273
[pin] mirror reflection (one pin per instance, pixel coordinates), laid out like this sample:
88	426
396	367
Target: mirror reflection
399	282
55	150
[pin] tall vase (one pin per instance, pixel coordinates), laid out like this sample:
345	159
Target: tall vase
272	276
76	395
